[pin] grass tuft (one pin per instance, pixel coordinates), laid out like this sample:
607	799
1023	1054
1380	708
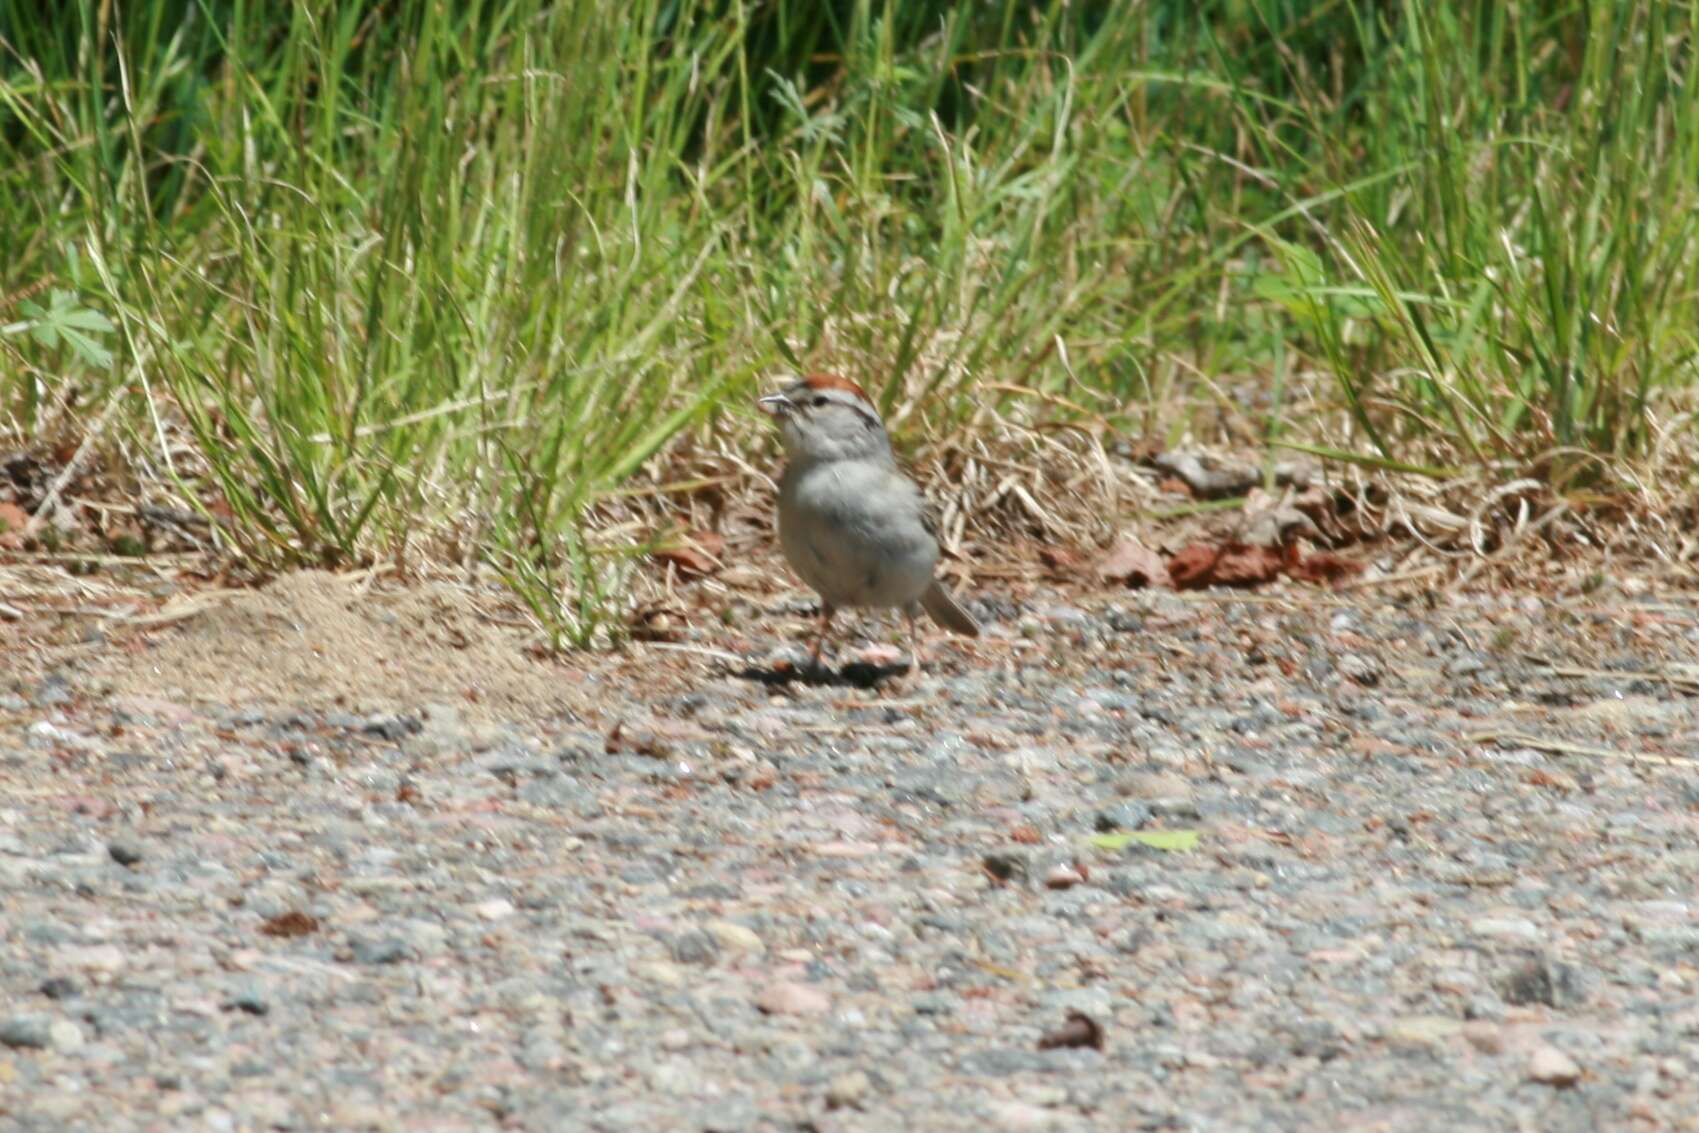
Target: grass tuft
425	281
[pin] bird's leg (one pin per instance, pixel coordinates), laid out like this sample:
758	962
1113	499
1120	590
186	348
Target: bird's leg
913	643
826	612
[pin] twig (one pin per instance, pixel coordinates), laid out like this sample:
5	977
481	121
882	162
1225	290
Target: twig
50	501
1393	579
181	611
1516	539
69	611
703	650
1580	672
305	967
1563	747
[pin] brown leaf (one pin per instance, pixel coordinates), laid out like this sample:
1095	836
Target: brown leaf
1080	1030
290	924
1239	565
1060	560
1174	486
693	553
1233	564
1555	780
1133	564
1026	835
1325	566
1192	566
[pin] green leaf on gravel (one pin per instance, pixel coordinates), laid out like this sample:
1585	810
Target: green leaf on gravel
1155	839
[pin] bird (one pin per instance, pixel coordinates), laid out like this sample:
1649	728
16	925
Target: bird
851	524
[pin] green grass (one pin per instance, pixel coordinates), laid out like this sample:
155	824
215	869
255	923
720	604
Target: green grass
421	280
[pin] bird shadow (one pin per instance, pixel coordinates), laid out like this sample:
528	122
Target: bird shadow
856	674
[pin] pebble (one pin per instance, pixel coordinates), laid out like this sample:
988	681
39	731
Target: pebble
1023	1117
1506	928
783	997
27	1032
380	950
1486	1037
125	851
65	1035
251	998
696	947
732	937
1064	877
495	909
1365	671
660	972
1121	816
102	962
848	1090
1549	1066
1539	981
1423	1031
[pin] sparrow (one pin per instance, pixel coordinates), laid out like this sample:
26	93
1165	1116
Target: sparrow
852	525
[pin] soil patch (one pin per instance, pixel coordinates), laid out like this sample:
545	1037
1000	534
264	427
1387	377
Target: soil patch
313	639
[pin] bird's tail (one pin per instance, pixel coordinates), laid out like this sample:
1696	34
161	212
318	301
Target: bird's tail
946	611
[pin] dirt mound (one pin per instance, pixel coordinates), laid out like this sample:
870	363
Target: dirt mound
314	640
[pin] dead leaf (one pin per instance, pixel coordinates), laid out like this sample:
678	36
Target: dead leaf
1324	566
1178	841
291	924
1190	567
1060	560
1233	564
1553	779
1275	527
695	553
13	519
1133	564
1080	1030
1174	486
1239	565
1026	835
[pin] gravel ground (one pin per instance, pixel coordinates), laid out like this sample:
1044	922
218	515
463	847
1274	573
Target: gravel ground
1444	879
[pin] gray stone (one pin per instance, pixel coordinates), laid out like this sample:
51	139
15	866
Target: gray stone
125	851
27	1032
379	950
249	997
695	947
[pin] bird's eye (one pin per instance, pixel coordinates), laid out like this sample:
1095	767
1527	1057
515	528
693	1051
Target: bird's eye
819	401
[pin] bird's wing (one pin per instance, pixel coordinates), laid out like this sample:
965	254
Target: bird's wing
931	516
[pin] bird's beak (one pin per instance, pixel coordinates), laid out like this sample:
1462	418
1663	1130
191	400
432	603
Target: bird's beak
775	403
